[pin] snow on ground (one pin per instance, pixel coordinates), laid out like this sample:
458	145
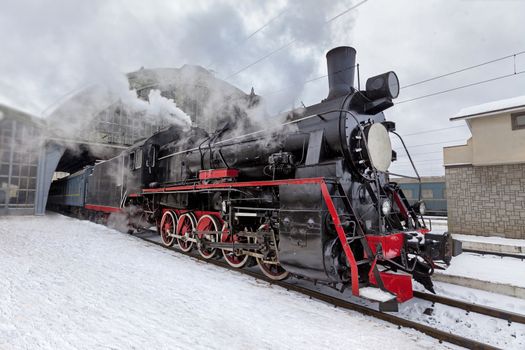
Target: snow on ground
485	329
491	240
492	268
485	267
476	296
69	284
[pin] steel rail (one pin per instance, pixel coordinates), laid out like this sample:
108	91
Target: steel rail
480	309
440	335
500	254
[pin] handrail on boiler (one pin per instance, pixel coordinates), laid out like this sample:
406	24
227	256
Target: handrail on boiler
418	178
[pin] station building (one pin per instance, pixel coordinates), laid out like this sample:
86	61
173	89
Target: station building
485	178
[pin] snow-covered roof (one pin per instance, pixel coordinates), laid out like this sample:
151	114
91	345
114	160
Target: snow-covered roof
491	107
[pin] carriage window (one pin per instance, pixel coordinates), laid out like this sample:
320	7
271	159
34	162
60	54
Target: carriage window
408	194
427	194
138	158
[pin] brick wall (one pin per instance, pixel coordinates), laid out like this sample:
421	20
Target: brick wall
486	200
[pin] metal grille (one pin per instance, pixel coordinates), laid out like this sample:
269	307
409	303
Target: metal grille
19	146
115	125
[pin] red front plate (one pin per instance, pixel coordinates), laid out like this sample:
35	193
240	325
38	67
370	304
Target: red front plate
400	285
391	244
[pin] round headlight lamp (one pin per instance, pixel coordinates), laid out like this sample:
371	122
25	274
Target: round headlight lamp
379	146
384	85
386	207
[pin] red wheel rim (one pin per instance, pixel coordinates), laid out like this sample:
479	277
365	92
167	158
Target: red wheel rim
185	227
272	271
207	223
234	260
167	228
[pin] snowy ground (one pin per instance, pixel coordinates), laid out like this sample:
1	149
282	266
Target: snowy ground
487	267
483	328
492	268
491	240
69	284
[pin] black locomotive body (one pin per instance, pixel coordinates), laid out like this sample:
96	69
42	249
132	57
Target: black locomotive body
311	197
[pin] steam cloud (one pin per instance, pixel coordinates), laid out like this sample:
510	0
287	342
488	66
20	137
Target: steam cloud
91	47
90	39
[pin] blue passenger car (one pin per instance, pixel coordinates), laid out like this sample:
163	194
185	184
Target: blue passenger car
433	193
70	191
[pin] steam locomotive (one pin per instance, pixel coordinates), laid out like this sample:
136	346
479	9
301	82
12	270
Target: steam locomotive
311	197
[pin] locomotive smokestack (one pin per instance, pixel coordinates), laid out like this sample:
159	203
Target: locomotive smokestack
341	67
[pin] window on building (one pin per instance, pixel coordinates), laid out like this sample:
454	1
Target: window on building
427	194
18	163
518	121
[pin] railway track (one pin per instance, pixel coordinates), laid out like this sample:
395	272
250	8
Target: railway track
442	336
469	307
506	255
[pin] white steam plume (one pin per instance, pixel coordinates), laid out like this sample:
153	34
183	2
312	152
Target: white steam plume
89	36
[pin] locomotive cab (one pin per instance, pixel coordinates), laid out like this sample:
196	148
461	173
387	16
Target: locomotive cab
134	170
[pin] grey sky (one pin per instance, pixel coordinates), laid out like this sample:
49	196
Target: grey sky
51	48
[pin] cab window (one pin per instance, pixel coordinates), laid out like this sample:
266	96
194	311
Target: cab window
132	160
138	158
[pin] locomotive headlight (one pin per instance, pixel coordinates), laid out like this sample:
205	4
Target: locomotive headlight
386	207
379	146
382	85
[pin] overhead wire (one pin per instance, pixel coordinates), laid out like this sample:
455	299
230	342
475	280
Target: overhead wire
420	161
515	73
420	154
424	80
291	42
434	130
247	38
434	143
460	87
464	69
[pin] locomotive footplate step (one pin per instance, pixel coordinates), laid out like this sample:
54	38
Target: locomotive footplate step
387	302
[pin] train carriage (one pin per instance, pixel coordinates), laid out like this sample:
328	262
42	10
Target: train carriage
432	190
70	191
